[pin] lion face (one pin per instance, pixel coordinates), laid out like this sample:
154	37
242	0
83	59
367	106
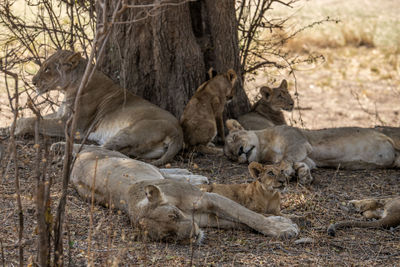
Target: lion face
167	223
269	175
240	145
264	198
56	73
277	98
162	221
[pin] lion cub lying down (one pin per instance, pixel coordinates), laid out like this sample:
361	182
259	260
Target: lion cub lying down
267	112
386	211
116	119
299	151
259	196
202	116
165	209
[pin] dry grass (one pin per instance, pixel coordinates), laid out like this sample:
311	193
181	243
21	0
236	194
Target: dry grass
358	83
362	23
114	240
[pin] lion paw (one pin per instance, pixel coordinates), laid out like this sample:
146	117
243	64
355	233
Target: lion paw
282	227
303	173
58	147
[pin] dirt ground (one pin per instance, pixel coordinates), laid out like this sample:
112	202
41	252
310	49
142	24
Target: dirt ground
356	86
114	240
326	99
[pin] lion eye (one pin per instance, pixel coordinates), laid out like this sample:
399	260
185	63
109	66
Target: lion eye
47	70
270	173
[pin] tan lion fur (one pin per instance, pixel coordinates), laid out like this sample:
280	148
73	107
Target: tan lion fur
202	117
116	119
267	111
165	209
258	196
273	174
302	150
386	211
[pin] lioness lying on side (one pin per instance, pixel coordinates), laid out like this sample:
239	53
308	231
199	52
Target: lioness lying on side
259	196
299	150
116	119
267	111
386	211
165	209
202	117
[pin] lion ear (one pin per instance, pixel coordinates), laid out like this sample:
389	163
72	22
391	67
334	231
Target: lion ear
233	125
266	92
153	194
211	73
284	84
231	75
255	169
72	61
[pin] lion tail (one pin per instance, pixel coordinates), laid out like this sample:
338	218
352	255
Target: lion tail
174	144
384	222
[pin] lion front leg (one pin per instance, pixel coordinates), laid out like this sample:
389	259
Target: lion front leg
220	127
226	209
303	173
25	126
49	125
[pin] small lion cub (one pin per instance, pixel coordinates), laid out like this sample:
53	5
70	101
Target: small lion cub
202	116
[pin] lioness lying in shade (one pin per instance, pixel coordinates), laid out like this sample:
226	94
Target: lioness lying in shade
267	111
165	209
386	211
299	150
202	117
116	119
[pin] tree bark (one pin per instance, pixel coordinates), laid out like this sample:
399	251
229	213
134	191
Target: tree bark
165	57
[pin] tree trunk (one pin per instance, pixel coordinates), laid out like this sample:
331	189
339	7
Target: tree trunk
165	57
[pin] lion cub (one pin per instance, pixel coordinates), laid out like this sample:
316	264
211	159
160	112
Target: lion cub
259	196
267	111
202	116
386	211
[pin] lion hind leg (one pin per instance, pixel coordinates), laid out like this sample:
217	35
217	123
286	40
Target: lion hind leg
206	149
162	143
183	175
59	147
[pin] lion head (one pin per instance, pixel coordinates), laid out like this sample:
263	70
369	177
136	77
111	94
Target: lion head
60	71
163	221
270	175
277	98
224	82
240	145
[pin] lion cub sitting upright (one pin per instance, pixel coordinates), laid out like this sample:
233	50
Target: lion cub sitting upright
267	112
115	118
202	116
